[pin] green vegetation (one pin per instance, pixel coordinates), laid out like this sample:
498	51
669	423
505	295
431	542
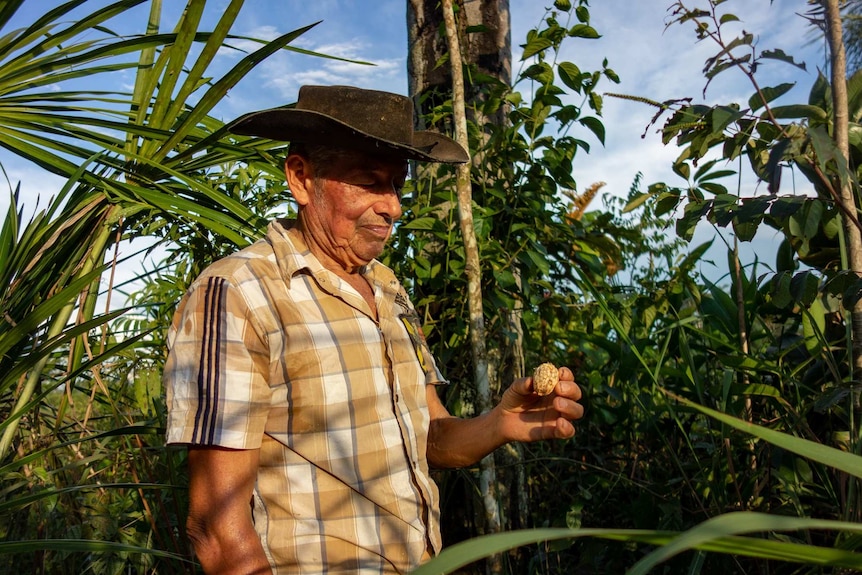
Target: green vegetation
723	426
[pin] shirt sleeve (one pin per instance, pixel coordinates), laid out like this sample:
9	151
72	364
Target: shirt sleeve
216	375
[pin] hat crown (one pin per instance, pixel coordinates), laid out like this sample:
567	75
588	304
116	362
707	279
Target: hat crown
379	114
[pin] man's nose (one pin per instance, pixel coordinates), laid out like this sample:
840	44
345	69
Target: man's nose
389	204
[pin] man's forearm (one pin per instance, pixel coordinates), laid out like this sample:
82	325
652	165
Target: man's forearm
454	442
220	524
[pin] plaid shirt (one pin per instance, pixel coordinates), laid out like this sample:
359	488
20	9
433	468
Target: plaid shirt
270	350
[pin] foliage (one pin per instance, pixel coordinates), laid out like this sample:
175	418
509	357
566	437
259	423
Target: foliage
672	364
87	483
531	229
529	235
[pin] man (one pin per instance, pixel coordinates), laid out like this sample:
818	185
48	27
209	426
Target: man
299	379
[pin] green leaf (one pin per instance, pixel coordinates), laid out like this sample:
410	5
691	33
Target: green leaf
583	14
734	524
799	111
571	76
667	201
595	126
814	327
745	230
813	216
782	56
506	279
682	169
780	291
636	202
540	72
692	215
535	46
785	206
840	460
723	116
854	96
424	223
538	260
583	31
804	288
768	95
83	546
759	389
709	537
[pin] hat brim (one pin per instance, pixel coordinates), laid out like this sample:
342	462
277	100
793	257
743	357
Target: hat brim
292	125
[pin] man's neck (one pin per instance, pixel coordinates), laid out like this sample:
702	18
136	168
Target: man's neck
326	259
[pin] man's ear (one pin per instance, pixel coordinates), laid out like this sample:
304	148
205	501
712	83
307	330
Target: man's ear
300	179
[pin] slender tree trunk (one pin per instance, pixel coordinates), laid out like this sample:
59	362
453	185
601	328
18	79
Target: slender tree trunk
488	474
841	119
841	123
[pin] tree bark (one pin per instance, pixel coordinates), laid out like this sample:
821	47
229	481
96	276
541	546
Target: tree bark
490	51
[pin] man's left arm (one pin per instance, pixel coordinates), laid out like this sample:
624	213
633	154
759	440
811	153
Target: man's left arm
521	415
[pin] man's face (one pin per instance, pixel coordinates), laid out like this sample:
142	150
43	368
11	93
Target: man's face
352	209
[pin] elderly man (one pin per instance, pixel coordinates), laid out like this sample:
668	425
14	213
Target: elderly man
299	379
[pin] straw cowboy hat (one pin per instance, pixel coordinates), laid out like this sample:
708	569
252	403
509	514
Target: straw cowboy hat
344	116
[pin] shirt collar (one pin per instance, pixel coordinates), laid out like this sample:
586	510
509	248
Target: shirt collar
293	256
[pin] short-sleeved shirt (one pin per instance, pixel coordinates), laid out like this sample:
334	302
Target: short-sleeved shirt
271	351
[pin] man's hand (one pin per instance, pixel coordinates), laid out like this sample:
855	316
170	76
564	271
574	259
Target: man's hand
521	415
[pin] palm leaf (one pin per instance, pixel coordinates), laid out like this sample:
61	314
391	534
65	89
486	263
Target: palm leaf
214	95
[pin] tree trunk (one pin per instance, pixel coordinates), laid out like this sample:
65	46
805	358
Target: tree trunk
841	119
487	52
490	51
488	473
841	123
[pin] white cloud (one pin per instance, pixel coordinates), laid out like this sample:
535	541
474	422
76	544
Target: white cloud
285	72
240	47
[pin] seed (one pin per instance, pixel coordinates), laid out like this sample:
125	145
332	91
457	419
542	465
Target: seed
545	378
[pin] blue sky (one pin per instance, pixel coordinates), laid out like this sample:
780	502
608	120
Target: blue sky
651	61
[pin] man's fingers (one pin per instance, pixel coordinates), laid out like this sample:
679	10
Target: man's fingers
569	389
564	429
568	408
